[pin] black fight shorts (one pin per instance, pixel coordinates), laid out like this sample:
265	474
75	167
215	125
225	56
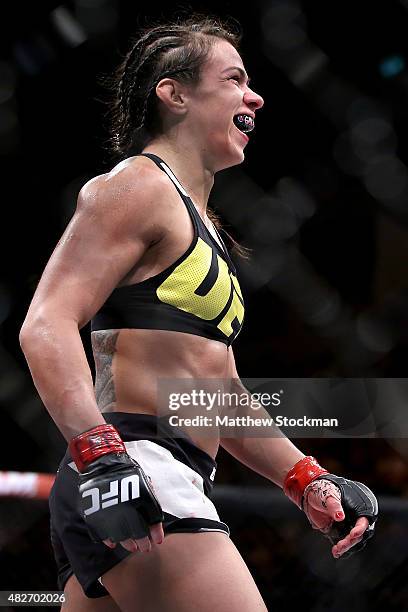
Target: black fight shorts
182	476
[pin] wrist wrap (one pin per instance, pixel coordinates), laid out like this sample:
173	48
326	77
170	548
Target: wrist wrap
94	443
297	479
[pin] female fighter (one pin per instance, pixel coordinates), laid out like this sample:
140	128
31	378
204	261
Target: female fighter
132	525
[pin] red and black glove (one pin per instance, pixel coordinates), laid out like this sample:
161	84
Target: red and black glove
116	498
356	499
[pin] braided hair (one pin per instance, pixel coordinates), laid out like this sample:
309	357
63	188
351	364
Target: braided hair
176	50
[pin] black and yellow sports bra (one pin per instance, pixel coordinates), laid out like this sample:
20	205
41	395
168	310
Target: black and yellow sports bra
198	294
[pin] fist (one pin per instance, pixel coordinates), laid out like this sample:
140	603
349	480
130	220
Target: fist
343	510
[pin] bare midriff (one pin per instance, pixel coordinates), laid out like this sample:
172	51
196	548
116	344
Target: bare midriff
131	363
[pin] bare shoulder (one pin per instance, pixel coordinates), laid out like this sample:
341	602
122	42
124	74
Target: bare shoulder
117	219
129	196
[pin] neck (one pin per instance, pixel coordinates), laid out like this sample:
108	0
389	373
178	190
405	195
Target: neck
189	168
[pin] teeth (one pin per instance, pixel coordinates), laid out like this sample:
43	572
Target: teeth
245	123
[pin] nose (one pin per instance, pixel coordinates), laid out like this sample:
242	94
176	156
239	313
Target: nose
253	100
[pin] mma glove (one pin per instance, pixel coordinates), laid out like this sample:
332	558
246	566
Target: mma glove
356	499
117	501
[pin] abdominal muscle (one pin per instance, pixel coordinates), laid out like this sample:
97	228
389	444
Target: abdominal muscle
130	363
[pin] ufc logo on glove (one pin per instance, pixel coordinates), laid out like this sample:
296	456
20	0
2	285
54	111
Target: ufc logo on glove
129	489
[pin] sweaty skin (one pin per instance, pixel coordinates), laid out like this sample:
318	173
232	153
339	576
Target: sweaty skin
130	218
130	362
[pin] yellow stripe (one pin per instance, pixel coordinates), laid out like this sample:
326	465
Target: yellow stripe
179	288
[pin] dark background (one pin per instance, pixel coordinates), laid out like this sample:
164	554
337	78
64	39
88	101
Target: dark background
322	201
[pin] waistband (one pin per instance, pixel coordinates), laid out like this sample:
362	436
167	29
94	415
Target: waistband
133	426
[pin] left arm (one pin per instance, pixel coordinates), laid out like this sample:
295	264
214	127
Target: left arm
303	480
271	456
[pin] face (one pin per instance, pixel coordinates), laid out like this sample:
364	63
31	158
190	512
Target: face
222	94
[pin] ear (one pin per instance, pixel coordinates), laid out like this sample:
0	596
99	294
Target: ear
172	94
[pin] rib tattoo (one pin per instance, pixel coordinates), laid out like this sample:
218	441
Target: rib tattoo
104	348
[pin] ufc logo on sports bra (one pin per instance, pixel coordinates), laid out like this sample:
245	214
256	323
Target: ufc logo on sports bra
203	285
129	489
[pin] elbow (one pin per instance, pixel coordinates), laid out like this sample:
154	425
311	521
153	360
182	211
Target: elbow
32	330
26	335
42	328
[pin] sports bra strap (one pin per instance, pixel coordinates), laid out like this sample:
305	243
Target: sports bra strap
183	194
195	216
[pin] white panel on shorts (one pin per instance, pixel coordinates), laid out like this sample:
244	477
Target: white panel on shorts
178	488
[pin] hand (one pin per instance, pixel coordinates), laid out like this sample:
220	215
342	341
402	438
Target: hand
344	510
156	536
119	505
117	500
322	506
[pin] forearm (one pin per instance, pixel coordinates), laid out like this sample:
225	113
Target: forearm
271	457
59	367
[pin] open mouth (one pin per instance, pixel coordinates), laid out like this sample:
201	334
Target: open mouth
244	123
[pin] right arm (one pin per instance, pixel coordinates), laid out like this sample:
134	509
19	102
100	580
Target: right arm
114	224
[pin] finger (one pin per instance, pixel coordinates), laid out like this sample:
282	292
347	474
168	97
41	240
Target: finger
356	534
319	492
334	509
129	545
342	545
144	544
312	501
340	548
354	541
361	524
109	543
318	519
157	533
354	537
357	531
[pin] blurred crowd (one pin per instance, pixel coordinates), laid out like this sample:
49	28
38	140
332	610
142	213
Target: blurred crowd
321	204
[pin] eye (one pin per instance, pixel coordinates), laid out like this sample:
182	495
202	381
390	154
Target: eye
235	78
